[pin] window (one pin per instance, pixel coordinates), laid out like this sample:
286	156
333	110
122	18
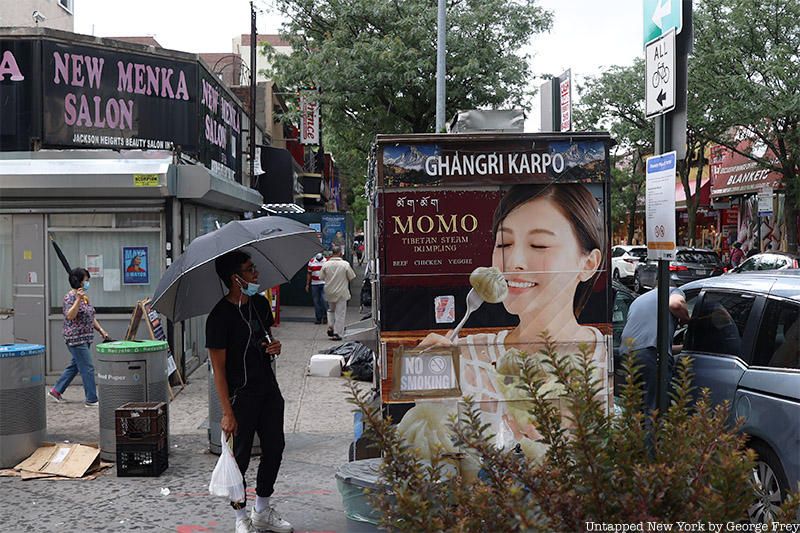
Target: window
67	4
718	325
641	253
778	343
703	258
617	252
95	242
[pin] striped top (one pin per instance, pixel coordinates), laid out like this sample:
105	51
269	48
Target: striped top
314	267
80	330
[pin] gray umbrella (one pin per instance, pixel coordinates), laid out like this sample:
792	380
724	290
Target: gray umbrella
278	246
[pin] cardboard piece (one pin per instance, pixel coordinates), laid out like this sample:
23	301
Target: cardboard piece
70	461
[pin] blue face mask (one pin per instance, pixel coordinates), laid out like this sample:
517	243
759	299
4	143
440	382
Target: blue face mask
251	289
86	285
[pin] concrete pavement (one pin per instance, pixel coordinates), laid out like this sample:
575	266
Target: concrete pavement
318	426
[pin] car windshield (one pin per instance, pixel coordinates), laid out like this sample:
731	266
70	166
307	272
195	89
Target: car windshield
693	256
641	253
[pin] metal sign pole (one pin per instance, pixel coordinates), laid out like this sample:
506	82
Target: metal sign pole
662	339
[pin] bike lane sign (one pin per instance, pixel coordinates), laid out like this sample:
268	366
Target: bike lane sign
659	76
660	206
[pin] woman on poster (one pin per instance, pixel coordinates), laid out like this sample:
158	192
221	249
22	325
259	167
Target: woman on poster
549	243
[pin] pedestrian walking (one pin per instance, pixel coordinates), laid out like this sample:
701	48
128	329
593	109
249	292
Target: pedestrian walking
640	333
241	346
79	326
316	287
737	255
337	274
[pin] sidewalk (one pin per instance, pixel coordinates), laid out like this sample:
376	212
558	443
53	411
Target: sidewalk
318	426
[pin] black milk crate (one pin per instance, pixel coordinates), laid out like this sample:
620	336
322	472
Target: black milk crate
140	422
142	459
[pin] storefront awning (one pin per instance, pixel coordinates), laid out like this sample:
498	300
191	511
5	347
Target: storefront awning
705	190
195	182
58	174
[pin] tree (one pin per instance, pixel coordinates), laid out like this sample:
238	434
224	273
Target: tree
375	62
615	101
686	464
747	55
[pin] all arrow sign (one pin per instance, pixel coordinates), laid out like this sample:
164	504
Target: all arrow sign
659	76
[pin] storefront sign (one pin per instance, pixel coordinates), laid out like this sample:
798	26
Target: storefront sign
102	98
334	229
424	165
765	197
736	174
220	128
146	180
309	116
135	265
19	74
565	88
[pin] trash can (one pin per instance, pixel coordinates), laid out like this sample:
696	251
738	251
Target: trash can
215	418
128	371
23	418
353	480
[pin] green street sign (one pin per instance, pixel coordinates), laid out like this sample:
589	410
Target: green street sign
660	16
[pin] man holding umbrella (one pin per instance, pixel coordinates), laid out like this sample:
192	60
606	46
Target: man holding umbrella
241	347
219	273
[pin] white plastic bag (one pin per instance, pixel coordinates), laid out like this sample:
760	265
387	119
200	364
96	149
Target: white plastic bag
226	480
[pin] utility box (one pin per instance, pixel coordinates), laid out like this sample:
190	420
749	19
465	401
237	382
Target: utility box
23	416
128	371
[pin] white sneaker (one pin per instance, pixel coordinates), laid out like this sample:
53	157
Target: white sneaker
243	525
269	520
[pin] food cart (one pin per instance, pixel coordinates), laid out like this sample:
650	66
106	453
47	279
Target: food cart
480	243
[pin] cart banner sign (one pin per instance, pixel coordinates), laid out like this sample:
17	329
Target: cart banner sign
19	74
735	174
135	265
437	233
103	98
309	116
425	165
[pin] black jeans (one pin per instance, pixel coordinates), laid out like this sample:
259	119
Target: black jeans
647	358
262	415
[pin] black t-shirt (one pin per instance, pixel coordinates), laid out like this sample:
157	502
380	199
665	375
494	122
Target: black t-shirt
227	328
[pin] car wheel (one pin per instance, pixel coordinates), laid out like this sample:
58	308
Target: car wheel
769	484
637	283
615	275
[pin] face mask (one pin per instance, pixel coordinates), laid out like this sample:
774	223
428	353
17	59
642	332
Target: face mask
250	290
86	285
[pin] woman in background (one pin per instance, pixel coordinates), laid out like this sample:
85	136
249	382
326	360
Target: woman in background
79	323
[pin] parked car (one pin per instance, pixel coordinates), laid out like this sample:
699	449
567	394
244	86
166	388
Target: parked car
768	261
690	264
744	343
624	259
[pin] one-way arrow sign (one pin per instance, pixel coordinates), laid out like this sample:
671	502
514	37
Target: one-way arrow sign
660	75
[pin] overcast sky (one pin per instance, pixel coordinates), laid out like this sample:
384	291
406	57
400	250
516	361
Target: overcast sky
587	35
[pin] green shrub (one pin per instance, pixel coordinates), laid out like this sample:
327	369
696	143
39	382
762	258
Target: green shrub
685	465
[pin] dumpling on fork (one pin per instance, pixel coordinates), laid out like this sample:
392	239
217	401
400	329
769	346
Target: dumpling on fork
489	283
